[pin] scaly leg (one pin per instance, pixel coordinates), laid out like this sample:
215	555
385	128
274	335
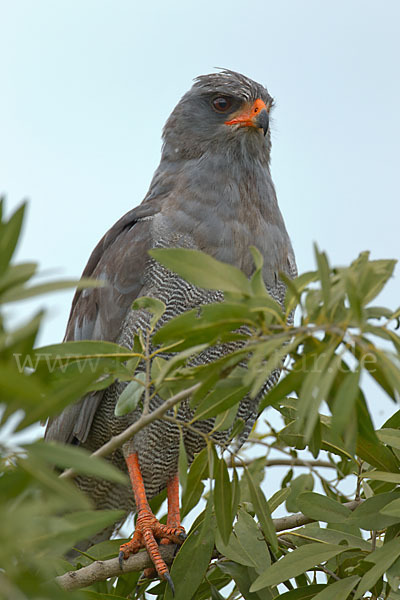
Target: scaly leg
148	528
173	517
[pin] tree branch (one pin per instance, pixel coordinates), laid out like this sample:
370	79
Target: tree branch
101	570
281	462
117	441
297	520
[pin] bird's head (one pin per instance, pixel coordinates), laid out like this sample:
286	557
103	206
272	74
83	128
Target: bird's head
224	112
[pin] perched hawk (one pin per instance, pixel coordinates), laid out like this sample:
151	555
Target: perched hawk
213	192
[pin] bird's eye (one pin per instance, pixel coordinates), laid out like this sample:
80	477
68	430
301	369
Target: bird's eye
222	104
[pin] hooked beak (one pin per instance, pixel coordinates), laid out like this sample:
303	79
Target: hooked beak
253	115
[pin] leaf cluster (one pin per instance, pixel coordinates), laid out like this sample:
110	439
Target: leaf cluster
235	549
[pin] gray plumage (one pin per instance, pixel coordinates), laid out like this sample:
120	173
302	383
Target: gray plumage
213	192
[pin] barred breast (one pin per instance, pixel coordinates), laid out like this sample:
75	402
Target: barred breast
158	444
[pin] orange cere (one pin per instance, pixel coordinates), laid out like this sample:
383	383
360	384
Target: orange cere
246	116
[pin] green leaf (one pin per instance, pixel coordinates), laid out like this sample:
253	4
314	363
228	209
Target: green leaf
275	354
223	500
10	233
392	509
257	471
393	422
297	562
249	538
101	551
368	515
53	401
390	366
246	545
378	272
48	480
91	595
353	294
17	274
234	550
324	272
152	305
375	453
302	593
225	419
202	270
339	589
215	595
176	361
22	292
330	442
390	437
344	401
383	558
295	287
194	488
322	508
278	498
206	324
225	394
79	459
315	533
288	384
88	348
371	363
257	280
262	510
76	526
316	386
302	483
193	558
182	463
243	577
157	364
393	575
382	476
131	395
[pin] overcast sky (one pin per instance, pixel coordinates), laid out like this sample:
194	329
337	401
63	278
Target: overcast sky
87	85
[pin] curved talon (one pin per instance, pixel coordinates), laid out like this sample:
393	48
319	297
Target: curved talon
148	531
168	579
121	559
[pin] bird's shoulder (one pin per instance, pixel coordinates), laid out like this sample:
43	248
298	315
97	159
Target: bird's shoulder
119	261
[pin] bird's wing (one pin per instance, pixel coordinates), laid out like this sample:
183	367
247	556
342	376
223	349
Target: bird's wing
98	313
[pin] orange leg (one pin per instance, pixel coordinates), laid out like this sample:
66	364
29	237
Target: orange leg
173	517
148	528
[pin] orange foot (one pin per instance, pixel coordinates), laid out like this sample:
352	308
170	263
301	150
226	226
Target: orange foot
148	530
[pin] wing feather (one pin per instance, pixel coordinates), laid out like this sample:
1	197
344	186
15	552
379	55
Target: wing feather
98	313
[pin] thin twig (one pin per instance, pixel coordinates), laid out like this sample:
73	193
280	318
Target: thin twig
281	462
118	440
297	520
373	540
329	572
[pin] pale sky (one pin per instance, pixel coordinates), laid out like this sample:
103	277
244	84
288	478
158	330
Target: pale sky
87	85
